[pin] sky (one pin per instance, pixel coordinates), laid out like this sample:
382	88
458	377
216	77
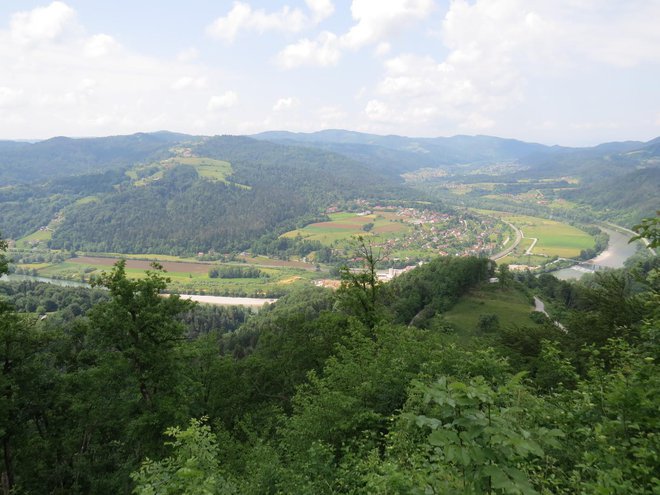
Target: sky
568	72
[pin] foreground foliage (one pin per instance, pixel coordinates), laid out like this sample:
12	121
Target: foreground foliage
366	390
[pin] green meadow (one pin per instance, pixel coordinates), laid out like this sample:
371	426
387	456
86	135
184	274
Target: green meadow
208	167
343	227
511	307
185	277
554	238
38	237
86	200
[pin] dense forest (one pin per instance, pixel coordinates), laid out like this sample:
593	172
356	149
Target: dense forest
618	181
24	162
274	188
368	389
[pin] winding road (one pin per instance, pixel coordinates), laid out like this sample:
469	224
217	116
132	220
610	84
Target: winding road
519	236
540	307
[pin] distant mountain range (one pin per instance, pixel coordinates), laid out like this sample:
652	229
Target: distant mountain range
59	156
388	155
178	193
398	154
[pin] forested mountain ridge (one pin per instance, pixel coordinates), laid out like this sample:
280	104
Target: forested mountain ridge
405	154
607	177
30	162
22	162
390	155
272	188
285	183
449	152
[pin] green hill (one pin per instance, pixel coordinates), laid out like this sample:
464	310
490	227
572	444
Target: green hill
270	188
22	162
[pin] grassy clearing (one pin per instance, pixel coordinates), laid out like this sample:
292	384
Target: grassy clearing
66	270
539	197
185	277
264	261
344	226
511	306
86	200
152	178
208	168
34	239
145	257
554	238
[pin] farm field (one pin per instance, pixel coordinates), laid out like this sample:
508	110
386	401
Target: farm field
554	238
344	226
276	263
186	277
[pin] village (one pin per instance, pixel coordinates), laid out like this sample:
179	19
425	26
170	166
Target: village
434	233
423	232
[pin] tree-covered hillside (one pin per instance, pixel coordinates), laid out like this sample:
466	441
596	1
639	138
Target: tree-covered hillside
22	162
610	174
625	199
93	184
369	389
399	154
273	188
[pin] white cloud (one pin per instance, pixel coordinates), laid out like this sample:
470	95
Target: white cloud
480	76
379	19
528	68
188	55
10	97
322	52
377	110
87	86
286	104
57	78
376	22
383	48
222	102
242	17
476	122
188	82
101	45
331	116
321	9
42	24
498	49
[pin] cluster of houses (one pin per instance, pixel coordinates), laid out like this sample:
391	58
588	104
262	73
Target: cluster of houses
437	233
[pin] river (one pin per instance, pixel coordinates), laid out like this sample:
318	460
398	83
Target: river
617	252
249	302
63	283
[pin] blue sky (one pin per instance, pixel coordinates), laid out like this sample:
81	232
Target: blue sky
571	72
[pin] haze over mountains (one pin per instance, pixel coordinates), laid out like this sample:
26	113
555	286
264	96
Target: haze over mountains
405	154
393	155
178	193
